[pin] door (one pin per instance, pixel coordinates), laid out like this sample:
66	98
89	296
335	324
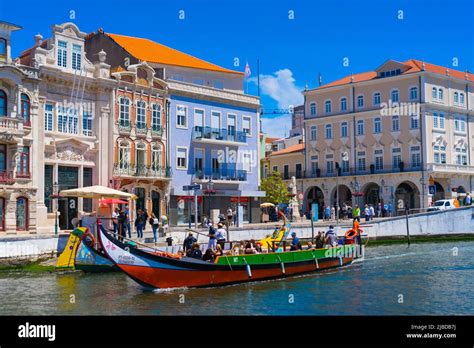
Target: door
140	193
68	211
155	201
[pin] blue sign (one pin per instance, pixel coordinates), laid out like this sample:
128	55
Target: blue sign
432	189
314	211
191	187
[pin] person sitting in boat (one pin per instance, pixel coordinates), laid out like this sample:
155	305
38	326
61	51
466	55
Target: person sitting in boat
310	246
189	242
258	248
209	256
219	251
249	249
220	235
195	252
212	237
331	237
319	240
295	243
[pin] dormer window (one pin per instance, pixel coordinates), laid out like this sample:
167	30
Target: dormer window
76	57
62	53
390	73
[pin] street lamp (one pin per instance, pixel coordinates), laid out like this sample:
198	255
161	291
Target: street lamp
56	195
210	186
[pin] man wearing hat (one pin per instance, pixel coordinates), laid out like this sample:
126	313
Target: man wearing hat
295	243
331	237
188	242
220	235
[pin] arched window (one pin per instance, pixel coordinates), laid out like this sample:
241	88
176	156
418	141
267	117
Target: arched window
124	116
156	117
461	98
440	94
456	97
327	106
25	109
155	157
434	94
22	214
3	103
124	154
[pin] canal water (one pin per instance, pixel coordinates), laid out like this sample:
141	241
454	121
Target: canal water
423	279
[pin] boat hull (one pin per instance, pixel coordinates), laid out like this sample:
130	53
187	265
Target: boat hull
90	260
155	271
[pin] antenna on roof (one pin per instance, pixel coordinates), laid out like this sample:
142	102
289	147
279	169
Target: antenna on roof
352	78
306	86
447	72
423	67
466	76
320	79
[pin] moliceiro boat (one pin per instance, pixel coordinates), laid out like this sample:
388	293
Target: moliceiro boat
161	270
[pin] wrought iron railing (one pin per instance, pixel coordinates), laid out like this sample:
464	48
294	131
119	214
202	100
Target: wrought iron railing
142	171
221	174
201	133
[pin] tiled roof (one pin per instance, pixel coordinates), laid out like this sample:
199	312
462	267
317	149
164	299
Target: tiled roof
270	140
150	51
291	149
413	67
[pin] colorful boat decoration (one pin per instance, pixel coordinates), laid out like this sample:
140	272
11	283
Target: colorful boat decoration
160	270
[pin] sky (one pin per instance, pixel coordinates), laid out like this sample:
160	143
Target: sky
294	41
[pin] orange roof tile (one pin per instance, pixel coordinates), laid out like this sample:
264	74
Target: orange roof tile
150	51
413	66
291	149
270	140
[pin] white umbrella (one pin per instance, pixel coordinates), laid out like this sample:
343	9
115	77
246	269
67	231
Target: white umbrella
96	191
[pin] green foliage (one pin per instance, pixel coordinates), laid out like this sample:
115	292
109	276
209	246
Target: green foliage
276	189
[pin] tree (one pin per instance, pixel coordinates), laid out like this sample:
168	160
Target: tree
275	188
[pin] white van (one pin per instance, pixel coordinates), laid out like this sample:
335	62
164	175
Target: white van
443	204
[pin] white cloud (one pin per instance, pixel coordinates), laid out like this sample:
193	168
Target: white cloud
281	87
276	126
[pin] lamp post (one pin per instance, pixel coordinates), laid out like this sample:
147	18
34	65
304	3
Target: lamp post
56	193
210	186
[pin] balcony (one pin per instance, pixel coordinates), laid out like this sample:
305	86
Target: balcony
124	126
157	131
141	129
351	171
6	177
142	171
221	175
12	126
219	136
450	168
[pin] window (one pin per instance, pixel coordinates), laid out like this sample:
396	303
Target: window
378	154
456	97
155	157
328	131
313	109
440	94
25	109
62	53
198	162
314	133
377	125
395	96
198	81
181	158
219	84
124	115
415	156
76	57
231	126
23	168
48	117
438	120
360	101
360	127
343	104
395	123
215	121
181	116
414	121
156	116
87	123
361	161
141	112
124	155
275	169
298	170
327	106
3	47
396	157
413	93
345	165
67	120
377	98
459	124
21	214
439	154
246	125
198	120
72	121
344	129
314	165
461	155
434	93
461	98
286	174
87	181
3	103
330	164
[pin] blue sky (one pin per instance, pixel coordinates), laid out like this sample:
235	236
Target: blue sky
291	51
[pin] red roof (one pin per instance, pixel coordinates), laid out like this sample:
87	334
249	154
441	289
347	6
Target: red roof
291	149
413	67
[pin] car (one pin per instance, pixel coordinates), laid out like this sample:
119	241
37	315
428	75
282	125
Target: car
443	204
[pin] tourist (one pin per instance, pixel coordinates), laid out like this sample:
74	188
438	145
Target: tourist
212	237
115	215
209	256
219	251
379	209
230	216
389	209
333	213
367	213
319	240
155	223
331	237
295	243
356	213
371	212
258	248
310	246
127	216
327	213
189	242
140	223
467	200
145	218
164	225
122	225
249	249
220	235
195	252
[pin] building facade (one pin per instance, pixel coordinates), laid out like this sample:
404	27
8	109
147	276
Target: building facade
390	136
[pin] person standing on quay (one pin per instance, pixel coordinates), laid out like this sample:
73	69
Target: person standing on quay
356	213
468	199
367	213
155	223
115	215
371	212
127	219
140	223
